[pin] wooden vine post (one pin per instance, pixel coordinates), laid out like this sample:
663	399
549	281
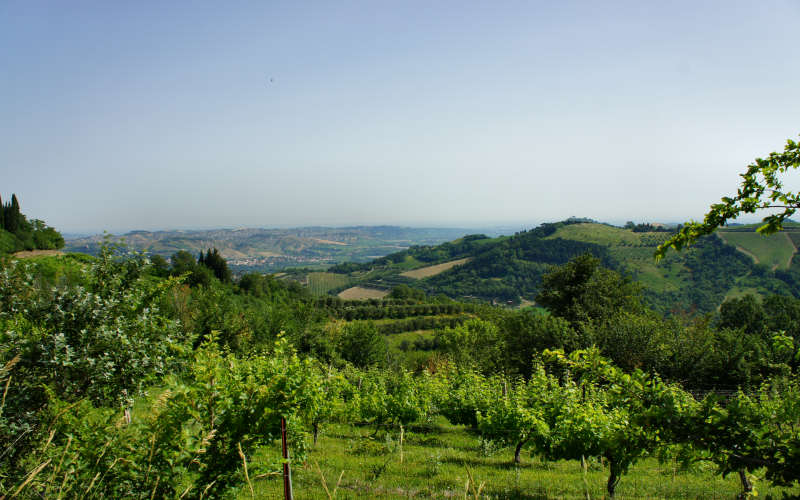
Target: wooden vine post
287	472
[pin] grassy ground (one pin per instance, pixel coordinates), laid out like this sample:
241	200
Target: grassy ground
396	339
436	458
774	251
740	291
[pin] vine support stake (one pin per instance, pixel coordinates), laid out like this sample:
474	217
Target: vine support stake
287	472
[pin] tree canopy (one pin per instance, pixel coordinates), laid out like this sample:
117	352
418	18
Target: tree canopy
583	290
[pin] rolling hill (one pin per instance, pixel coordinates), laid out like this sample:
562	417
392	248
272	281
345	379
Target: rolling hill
269	250
509	269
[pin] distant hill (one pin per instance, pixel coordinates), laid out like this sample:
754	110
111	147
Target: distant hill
509	269
775	252
269	250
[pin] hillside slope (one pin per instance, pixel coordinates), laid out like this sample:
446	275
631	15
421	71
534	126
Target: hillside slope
509	269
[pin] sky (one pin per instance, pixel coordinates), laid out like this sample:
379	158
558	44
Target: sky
162	115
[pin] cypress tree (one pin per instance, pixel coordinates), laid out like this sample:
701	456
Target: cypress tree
217	264
12	215
2	214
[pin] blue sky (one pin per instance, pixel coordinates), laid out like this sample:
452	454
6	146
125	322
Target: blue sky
124	115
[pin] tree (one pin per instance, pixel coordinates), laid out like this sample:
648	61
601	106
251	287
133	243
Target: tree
362	344
754	432
475	343
761	189
182	262
744	312
582	290
159	266
527	333
403	291
215	262
12	214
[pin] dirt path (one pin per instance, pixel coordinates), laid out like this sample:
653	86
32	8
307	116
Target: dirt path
752	256
789	262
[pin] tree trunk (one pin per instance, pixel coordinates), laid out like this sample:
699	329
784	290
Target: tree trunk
613	478
517	452
315	428
747	486
402	430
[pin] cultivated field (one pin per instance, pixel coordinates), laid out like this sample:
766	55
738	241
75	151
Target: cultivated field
608	235
329	242
774	251
361	293
427	272
320	283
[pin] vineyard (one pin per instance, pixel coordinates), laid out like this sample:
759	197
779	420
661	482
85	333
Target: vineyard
118	383
321	283
436	457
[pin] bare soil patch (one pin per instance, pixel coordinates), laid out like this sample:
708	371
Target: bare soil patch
329	242
361	293
27	254
426	272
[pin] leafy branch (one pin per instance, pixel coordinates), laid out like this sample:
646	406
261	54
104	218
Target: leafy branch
761	188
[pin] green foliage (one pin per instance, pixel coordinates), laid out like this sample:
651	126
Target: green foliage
526	333
517	417
582	291
216	263
403	291
103	340
159	266
622	417
190	440
17	233
393	397
184	264
475	343
761	188
362	344
512	267
239	401
744	312
751	432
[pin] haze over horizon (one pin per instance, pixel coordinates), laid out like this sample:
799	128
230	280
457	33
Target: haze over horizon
203	115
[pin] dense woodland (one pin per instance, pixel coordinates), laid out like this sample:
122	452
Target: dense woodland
126	377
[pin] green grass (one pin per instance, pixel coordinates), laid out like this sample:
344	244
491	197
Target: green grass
794	236
773	251
320	283
608	235
740	291
434	465
396	339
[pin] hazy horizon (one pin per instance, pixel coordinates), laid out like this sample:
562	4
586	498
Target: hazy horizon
204	115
